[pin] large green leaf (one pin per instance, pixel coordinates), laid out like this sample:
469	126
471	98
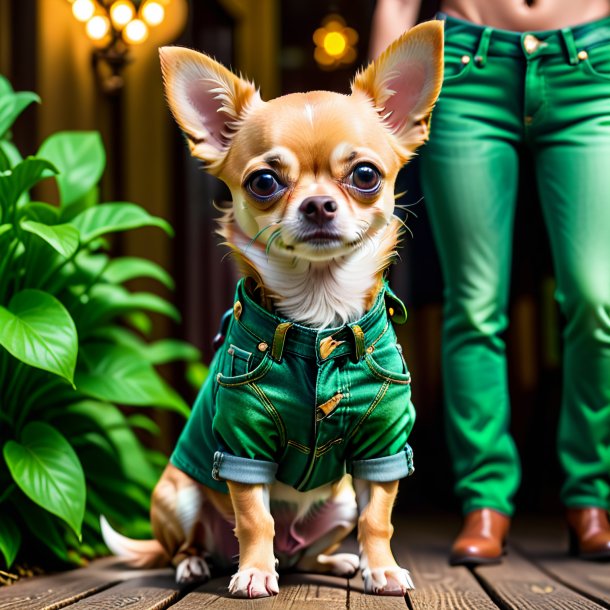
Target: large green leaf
140	321
107	301
44	526
40	211
121	336
113	217
21	179
112	424
10	539
12	105
118	374
144	423
80	159
9	155
47	470
5	86
62	238
5	228
168	350
38	330
128	268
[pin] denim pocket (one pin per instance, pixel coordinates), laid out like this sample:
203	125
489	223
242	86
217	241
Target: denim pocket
597	62
239	360
388	364
457	65
257	373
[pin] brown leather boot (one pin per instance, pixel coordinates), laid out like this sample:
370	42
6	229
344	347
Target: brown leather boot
589	533
481	540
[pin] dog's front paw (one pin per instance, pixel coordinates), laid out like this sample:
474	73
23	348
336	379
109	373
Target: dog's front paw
252	582
340	564
192	569
387	581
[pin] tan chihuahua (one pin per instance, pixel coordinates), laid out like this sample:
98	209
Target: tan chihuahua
312	180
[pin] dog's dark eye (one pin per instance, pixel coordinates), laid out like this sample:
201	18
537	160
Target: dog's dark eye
366	178
264	185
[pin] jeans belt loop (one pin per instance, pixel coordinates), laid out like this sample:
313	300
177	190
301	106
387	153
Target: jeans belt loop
279	339
359	346
570	45
480	56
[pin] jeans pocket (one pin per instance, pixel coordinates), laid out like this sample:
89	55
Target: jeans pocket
388	364
239	360
597	61
255	374
457	66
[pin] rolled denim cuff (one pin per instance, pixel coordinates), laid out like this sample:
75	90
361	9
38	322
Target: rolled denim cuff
227	467
385	469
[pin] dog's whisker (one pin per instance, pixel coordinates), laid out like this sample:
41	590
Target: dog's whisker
273	237
404	225
275	222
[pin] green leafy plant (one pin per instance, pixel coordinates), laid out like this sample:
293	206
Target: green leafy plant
73	348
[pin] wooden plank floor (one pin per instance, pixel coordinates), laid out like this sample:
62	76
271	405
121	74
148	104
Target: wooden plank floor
536	574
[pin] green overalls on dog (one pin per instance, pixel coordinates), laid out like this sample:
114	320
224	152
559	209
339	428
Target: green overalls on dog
289	403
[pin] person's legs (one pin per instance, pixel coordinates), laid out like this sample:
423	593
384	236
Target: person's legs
572	153
575	192
469	190
469	172
574	184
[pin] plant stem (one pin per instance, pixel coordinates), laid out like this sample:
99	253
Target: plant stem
4	356
20	376
30	401
5	276
54	270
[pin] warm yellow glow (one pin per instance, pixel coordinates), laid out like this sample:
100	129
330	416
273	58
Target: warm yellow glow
83	9
153	13
135	32
121	13
97	27
335	43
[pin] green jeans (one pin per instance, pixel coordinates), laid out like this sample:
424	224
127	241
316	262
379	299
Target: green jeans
548	92
289	403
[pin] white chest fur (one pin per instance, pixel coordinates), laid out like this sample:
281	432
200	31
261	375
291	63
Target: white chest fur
318	294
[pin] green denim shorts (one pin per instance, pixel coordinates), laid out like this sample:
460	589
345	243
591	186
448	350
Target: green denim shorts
289	403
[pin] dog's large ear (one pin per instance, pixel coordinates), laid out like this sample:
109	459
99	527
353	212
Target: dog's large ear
404	82
207	100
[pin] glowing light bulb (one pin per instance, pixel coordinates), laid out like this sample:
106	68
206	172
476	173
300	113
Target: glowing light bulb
135	32
153	13
121	13
97	27
83	10
335	43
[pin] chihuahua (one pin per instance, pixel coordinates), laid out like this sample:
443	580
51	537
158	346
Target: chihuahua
299	434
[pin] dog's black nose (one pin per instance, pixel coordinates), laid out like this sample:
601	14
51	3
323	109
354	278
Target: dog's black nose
319	209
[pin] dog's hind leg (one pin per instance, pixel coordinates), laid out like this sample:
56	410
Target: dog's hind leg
381	574
339	516
188	525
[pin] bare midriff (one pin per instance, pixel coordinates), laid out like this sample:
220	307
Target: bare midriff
521	16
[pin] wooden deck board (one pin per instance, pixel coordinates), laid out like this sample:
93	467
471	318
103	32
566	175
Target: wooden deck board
314	591
545	542
145	593
424	549
52	592
518	584
536	574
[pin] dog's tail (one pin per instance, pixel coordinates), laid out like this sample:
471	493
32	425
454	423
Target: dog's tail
136	553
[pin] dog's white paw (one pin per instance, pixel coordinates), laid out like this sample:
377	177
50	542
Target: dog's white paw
341	564
252	582
192	569
387	581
